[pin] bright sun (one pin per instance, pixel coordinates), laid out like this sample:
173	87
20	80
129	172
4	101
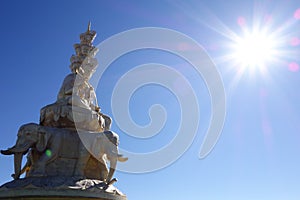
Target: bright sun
254	50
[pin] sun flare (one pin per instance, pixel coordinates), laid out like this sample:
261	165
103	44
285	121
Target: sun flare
254	50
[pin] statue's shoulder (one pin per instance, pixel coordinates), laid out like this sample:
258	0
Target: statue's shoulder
70	77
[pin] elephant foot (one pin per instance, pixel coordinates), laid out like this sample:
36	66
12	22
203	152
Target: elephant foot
112	181
38	173
14	176
79	176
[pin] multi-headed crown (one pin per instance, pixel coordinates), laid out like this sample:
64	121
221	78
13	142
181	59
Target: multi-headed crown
88	37
83	62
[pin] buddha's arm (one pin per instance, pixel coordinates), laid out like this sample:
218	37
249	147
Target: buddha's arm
61	93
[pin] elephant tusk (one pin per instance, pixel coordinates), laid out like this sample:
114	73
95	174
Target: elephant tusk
121	158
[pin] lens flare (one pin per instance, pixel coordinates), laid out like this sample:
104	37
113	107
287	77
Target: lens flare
295	41
294	67
48	153
241	21
297	14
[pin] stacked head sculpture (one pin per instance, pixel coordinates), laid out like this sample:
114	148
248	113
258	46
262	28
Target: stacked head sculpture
73	142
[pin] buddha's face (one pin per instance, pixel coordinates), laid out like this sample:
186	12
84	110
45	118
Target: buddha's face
75	66
88	38
78	50
85	49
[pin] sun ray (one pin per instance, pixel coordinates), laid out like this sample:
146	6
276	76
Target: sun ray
207	18
263	43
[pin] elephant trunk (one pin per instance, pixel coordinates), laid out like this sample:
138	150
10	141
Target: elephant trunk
16	149
112	168
7	151
17	162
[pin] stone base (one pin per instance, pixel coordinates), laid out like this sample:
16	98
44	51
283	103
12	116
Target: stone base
39	194
58	188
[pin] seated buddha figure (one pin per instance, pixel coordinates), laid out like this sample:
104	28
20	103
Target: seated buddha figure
76	105
76	90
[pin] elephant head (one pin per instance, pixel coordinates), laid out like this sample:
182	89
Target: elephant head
106	143
29	135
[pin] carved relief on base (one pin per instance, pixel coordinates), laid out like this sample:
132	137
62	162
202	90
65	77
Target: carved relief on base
60	115
59	187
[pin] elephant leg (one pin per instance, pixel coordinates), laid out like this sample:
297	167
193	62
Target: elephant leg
103	169
83	157
17	162
39	167
40	164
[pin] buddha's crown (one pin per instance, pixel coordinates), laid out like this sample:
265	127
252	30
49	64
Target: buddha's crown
88	37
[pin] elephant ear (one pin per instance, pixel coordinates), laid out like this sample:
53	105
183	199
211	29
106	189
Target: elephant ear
97	146
112	137
42	141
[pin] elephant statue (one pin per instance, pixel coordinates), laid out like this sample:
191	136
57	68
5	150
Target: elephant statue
28	137
103	145
64	152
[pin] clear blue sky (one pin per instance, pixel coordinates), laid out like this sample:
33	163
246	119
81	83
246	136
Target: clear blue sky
257	155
